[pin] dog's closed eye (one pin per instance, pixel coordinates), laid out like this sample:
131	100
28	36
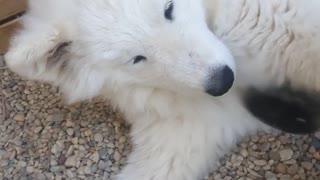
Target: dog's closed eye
138	59
169	10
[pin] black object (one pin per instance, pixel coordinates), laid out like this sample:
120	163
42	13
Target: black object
291	110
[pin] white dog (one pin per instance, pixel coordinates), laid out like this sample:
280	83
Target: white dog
162	62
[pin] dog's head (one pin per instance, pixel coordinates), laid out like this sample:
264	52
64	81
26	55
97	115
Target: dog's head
92	45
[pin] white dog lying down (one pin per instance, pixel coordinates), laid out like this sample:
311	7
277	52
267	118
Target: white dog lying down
162	62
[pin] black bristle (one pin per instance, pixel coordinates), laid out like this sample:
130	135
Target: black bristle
287	109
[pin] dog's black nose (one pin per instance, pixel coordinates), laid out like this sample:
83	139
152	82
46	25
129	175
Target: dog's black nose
219	81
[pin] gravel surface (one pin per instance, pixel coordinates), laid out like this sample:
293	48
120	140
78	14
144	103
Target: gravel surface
41	138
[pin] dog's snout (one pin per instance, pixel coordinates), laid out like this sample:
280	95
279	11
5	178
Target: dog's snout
220	81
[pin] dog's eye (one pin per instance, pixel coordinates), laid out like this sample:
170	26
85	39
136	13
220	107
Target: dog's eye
138	59
169	10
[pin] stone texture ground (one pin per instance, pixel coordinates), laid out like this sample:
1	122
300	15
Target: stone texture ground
41	138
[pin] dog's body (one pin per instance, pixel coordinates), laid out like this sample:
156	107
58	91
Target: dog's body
276	47
274	42
161	62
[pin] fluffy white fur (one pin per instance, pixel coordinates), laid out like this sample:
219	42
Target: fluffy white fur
178	131
273	41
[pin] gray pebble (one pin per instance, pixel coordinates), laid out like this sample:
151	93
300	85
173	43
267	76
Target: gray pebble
94	168
57	148
103	154
98	137
38	129
95	157
70	174
70	131
260	162
285	154
293	169
30	169
285	177
244	153
19	107
40	176
87	170
275	156
122	139
116	156
269	175
307	165
56	169
71	161
22	164
102	165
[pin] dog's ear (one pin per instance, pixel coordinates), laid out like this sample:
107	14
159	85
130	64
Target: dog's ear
35	51
45	49
58	56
